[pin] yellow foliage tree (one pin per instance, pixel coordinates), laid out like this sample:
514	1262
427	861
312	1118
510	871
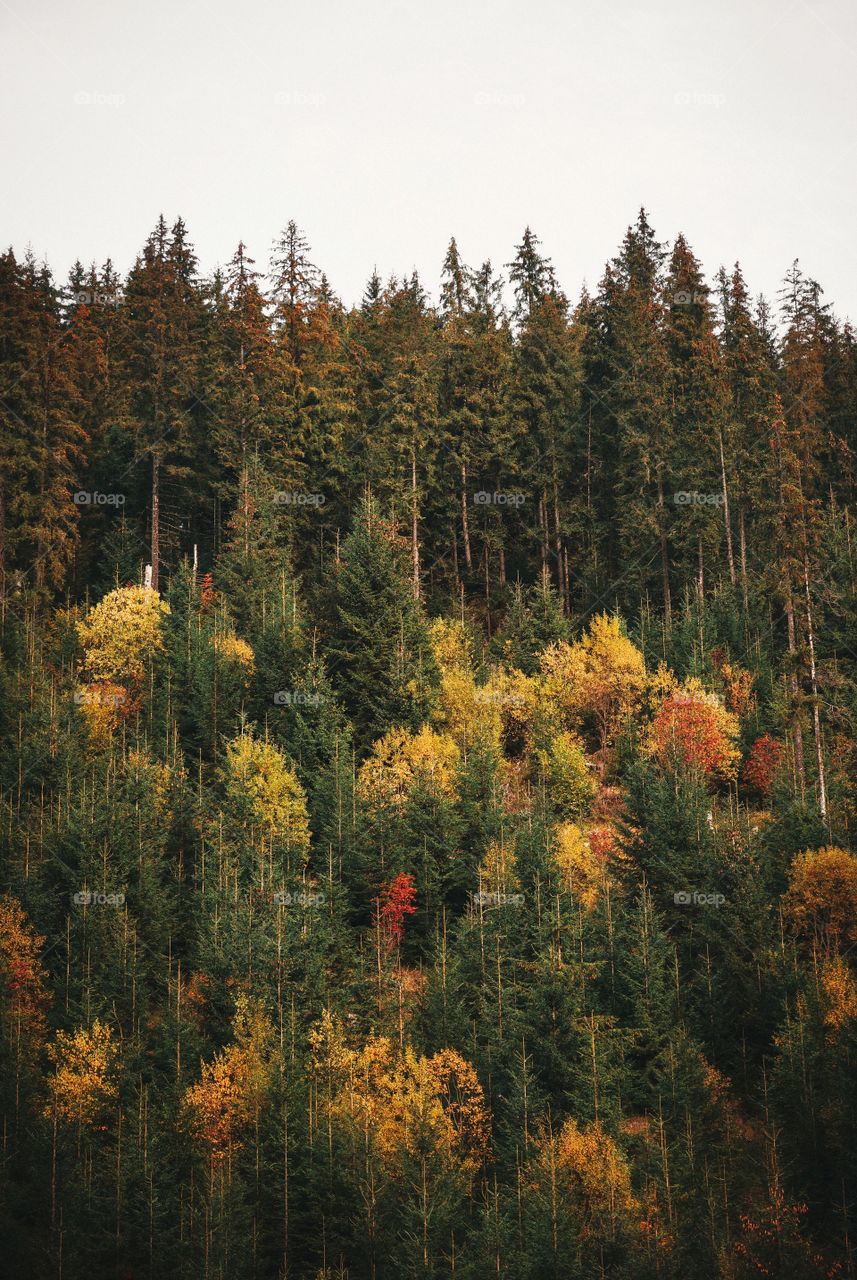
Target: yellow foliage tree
451	644
819	902
262	786
599	680
839	991
226	1102
425	1108
401	761
585	1174
236	654
122	633
498	870
582	870
23	995
83	1084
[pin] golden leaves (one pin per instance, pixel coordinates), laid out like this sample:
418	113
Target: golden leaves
122	633
83	1083
599	679
411	1106
22	976
234	1086
402	761
259	775
819	903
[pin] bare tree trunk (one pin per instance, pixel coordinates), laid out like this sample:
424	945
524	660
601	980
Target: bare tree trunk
415	546
743	542
465	523
816	711
557	525
665	558
726	522
701	571
798	733
156	520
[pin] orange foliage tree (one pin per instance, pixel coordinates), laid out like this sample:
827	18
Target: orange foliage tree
224	1104
23	997
819	903
695	729
83	1085
762	764
425	1108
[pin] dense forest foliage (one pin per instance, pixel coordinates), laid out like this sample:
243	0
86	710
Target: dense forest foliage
427	751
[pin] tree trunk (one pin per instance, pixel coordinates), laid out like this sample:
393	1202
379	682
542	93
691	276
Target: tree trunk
563	585
156	520
726	522
415	545
798	733
745	591
665	556
816	711
465	523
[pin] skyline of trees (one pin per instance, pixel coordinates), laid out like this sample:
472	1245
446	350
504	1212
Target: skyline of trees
427	758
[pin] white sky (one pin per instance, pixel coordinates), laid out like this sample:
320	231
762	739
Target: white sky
385	126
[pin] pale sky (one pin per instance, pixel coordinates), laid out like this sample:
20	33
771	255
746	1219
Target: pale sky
385	126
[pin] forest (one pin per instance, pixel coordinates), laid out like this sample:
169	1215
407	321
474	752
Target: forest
428	741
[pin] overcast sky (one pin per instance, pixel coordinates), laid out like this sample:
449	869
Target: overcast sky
385	126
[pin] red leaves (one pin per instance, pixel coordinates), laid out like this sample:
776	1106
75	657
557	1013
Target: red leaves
207	593
697	730
762	764
396	902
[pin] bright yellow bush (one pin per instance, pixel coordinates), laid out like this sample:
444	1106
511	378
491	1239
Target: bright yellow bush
236	652
600	678
223	1105
451	644
839	992
122	633
585	1171
259	773
401	761
583	872
83	1084
410	1105
819	903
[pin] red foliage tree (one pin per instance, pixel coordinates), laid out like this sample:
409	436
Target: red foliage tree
762	764
698	731
395	903
207	593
